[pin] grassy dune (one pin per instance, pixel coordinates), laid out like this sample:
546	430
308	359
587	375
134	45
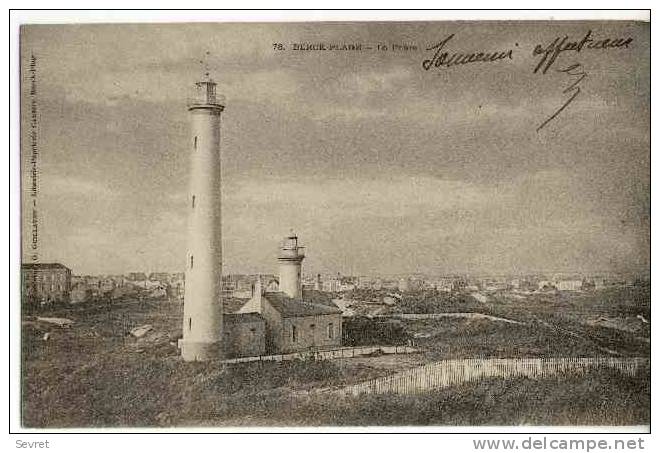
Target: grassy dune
96	374
157	392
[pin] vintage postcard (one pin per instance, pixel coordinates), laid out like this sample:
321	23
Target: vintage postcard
335	224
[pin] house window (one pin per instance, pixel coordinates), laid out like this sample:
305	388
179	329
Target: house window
331	331
192	261
294	334
311	326
193	201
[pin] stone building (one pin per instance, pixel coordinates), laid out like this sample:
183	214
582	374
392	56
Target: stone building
294	325
245	335
45	283
295	320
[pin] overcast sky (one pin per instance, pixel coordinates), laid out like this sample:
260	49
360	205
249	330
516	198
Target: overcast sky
378	165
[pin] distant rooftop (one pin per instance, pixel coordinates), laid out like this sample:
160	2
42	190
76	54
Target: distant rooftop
43	266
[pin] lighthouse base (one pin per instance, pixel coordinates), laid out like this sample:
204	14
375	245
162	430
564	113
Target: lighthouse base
200	351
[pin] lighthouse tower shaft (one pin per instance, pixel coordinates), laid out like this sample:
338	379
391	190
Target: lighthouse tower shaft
202	314
290	262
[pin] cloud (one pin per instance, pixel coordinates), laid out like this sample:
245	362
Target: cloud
357	197
380	165
367	82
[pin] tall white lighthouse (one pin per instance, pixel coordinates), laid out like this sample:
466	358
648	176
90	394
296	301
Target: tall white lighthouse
202	312
290	258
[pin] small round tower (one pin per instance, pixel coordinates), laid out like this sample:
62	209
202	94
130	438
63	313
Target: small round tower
290	258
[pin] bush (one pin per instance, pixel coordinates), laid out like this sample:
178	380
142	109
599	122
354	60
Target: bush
363	331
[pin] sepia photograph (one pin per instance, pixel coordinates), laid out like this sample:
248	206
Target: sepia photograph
333	224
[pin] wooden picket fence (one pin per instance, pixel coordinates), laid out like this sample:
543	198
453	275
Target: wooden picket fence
327	354
452	372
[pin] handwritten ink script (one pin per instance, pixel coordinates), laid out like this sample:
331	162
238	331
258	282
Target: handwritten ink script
545	56
550	53
579	74
442	58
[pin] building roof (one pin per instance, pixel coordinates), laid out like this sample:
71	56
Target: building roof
239	318
288	307
318	297
43	266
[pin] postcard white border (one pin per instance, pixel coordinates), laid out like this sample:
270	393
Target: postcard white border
109	438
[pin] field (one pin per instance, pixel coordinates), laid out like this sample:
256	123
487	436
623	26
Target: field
548	325
96	374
